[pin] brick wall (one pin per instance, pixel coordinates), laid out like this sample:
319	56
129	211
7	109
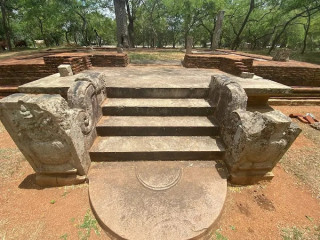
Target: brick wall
18	74
21	74
289	73
201	61
114	60
227	63
78	64
15	74
291	76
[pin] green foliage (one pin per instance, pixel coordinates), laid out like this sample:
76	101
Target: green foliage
59	22
292	234
166	23
89	224
219	235
64	236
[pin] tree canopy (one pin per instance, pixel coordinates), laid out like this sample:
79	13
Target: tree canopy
255	24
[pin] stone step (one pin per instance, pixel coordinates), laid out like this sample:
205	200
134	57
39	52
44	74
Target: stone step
158	200
156	126
156	148
127	92
156	107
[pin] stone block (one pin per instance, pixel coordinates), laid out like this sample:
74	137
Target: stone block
247	75
65	70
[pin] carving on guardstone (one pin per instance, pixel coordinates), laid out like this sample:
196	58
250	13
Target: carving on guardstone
53	134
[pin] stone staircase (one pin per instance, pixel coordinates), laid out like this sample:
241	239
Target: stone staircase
161	142
156	129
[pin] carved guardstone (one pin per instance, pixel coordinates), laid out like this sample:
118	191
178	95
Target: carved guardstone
255	141
53	134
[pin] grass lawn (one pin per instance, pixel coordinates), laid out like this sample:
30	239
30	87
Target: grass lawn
310	57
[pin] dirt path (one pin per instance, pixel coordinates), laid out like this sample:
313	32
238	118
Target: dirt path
286	208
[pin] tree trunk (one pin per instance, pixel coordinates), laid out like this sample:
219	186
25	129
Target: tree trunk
84	29
98	38
5	23
217	31
131	25
236	42
75	38
306	30
67	38
121	20
131	33
42	32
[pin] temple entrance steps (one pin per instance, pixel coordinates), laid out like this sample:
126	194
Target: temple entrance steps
156	129
157	172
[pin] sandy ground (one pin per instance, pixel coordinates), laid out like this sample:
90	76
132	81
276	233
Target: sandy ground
288	207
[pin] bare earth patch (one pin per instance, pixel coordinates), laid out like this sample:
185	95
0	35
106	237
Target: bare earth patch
286	208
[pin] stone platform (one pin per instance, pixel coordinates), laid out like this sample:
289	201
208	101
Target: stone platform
154	137
158	200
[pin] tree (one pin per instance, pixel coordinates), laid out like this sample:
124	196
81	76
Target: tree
121	19
236	41
5	23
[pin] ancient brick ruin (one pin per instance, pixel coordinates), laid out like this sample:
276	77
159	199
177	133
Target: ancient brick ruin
291	73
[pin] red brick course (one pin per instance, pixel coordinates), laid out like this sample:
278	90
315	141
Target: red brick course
227	63
290	73
21	70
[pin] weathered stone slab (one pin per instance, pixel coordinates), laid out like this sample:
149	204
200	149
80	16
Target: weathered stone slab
54	84
158	200
259	90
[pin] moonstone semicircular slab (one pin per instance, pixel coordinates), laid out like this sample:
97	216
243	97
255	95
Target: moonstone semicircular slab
158	200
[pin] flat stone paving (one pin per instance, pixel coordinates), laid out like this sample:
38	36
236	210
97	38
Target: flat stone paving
179	77
155	77
158	77
158	200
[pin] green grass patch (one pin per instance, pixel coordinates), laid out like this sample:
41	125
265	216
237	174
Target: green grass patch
219	236
293	233
155	56
301	233
89	223
64	236
309	57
